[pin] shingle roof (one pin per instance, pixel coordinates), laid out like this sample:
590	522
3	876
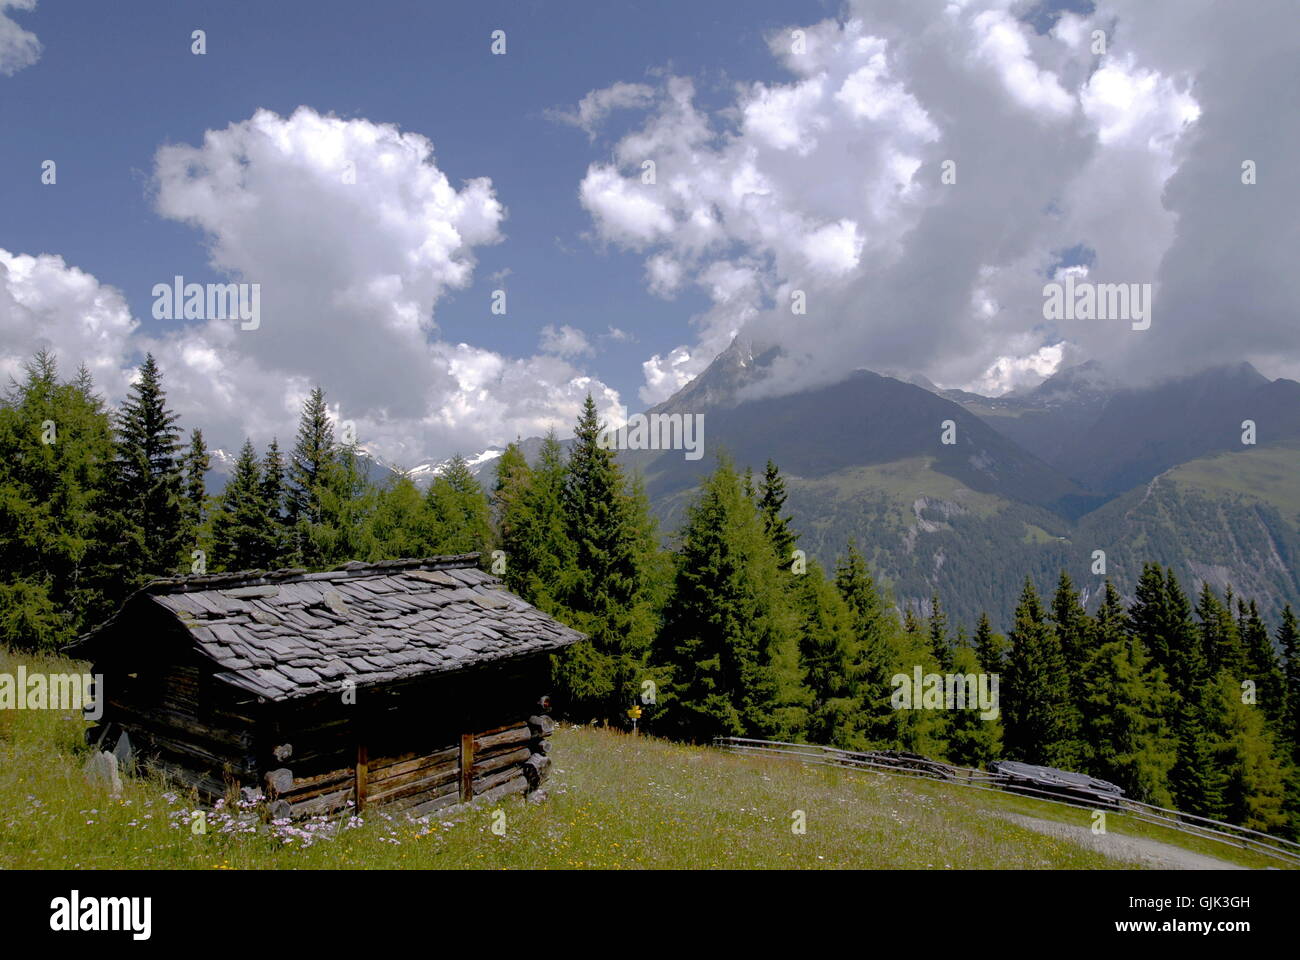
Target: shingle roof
289	633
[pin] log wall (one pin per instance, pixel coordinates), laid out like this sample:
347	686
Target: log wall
499	762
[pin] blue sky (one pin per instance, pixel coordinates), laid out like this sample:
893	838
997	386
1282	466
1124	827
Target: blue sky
799	148
107	93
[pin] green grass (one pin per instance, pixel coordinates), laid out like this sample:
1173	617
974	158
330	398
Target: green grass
902	481
1265	474
615	801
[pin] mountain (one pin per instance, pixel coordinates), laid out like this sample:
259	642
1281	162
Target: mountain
1110	438
423	474
1037	482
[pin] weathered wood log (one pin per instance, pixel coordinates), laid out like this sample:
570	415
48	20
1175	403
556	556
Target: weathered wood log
486	782
511	787
149	741
535	769
507	759
304	788
426	807
159	718
325	803
543	725
517	733
424	784
381	770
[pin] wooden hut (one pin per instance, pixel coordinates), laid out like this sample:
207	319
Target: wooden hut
411	683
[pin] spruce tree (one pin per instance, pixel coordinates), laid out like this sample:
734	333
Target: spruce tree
828	657
195	465
1259	664
1035	692
771	503
606	593
1072	627
937	628
1288	641
540	560
973	740
874	656
459	511
1219	639
313	455
990	647
727	621
55	452
149	491
274	500
239	539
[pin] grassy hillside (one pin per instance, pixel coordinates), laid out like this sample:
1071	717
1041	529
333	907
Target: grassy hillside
615	802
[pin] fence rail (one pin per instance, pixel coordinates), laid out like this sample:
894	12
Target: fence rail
908	765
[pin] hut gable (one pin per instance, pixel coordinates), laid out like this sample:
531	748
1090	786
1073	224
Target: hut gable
290	634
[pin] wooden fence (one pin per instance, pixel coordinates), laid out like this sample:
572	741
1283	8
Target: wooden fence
909	765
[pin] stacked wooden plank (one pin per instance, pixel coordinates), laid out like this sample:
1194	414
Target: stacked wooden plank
495	763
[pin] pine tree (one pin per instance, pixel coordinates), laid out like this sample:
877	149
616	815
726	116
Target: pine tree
508	490
347	501
400	524
727	620
828	645
195	465
459	510
1126	706
606	593
1251	775
874	656
149	494
274	501
55	453
1036	694
771	503
540	557
973	740
1072	627
937	628
239	539
313	455
1288	641
990	647
1259	664
1219	639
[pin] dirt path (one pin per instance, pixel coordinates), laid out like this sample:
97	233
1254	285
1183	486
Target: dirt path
1139	850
